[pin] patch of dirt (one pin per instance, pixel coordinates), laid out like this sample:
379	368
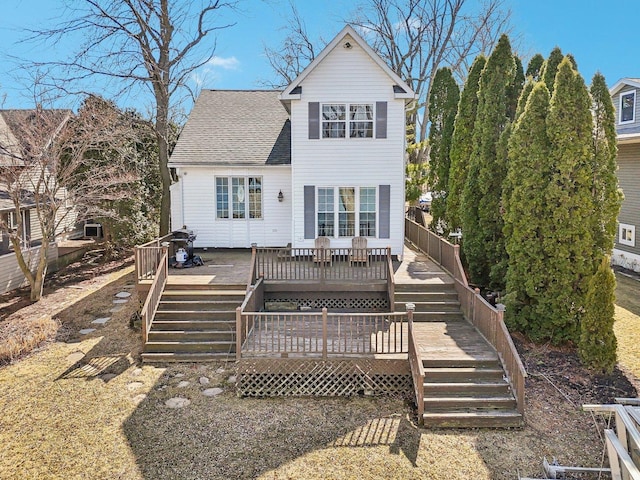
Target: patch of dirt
561	368
93	264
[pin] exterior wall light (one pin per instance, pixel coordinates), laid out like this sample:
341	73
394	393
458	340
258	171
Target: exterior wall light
280	196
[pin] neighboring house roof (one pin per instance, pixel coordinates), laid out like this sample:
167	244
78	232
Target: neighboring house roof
348	34
13	125
6	203
235	127
624	82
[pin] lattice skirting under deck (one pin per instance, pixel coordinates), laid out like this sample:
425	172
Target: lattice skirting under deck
307	377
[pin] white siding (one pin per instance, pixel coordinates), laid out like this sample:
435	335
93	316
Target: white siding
11	277
198	207
349	76
176	205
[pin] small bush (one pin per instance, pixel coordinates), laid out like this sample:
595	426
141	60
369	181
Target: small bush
23	336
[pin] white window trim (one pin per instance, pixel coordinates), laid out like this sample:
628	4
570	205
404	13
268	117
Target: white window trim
624	94
336	210
628	228
347	121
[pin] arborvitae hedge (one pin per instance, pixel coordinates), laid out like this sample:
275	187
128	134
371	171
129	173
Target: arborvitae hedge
527	215
550	68
534	67
481	218
443	104
462	142
598	342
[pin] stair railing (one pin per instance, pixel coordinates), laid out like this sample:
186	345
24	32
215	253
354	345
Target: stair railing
487	319
150	306
417	368
391	287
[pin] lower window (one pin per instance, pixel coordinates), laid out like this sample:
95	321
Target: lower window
627	234
352	209
239	197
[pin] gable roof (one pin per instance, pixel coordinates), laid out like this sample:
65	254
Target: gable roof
235	127
401	89
624	82
14	124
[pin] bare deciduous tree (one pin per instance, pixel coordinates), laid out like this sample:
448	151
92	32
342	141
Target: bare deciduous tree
45	165
155	43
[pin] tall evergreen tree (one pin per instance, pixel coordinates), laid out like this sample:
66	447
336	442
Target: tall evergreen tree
443	104
513	92
462	142
597	346
569	241
527	215
534	67
524	96
606	195
482	219
550	67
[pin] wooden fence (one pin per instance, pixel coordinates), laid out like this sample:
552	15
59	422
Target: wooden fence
320	334
486	318
147	257
321	265
153	297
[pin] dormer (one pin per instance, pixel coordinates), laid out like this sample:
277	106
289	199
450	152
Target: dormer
626	100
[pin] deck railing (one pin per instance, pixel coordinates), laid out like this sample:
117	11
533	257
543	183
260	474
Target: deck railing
320	334
147	257
253	302
153	297
391	285
486	318
320	265
417	368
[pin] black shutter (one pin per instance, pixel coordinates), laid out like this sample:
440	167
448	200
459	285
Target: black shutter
314	120
309	211
381	119
384	205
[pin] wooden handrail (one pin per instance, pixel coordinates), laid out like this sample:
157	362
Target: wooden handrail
153	297
417	368
252	268
156	242
486	318
391	285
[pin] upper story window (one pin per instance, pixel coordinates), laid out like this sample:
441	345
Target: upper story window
628	107
335	120
627	234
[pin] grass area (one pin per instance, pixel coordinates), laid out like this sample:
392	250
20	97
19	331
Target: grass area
83	407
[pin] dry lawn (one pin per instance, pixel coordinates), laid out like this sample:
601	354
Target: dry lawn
82	407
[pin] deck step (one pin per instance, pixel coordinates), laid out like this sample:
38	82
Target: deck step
469	389
167	357
490	360
450	404
476	419
215	346
438	316
198	305
195	315
172	285
431	306
425	287
195	324
203	295
183	336
406	297
462	374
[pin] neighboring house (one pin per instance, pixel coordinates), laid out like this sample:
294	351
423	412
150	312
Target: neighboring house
626	100
10	160
324	157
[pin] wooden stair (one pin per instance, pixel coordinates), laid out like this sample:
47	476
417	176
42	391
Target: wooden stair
194	323
434	302
464	384
468	393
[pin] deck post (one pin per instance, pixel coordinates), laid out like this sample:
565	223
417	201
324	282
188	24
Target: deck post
238	333
324	333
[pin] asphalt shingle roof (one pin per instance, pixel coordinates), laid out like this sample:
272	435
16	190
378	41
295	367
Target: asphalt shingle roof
235	127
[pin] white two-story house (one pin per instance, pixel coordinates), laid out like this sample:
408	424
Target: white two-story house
324	157
626	100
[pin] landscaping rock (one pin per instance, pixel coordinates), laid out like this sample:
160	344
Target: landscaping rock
232	379
75	357
220	370
139	398
120	301
183	384
212	392
177	402
204	381
102	320
86	331
123	294
137	372
117	308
